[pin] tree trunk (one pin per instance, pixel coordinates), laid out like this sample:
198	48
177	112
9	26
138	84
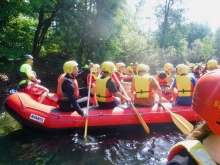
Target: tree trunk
42	28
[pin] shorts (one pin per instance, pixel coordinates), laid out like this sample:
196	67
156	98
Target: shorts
35	89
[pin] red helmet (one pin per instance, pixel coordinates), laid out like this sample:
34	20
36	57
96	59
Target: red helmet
206	101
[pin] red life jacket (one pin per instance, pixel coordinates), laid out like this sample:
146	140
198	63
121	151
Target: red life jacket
118	75
163	82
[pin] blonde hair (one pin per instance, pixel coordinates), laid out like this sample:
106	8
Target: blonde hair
201	131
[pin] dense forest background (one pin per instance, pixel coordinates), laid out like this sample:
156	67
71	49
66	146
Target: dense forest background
55	31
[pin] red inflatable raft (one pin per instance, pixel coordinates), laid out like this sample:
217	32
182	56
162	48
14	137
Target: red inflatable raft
47	116
128	78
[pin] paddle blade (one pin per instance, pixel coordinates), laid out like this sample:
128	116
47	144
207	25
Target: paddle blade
146	128
185	126
85	131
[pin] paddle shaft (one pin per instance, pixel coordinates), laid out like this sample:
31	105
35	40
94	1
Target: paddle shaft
86	122
146	128
185	126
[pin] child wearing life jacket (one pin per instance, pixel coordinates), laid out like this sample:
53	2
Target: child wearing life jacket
165	77
202	145
165	80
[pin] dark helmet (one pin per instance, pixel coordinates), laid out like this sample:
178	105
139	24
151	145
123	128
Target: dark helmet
28	56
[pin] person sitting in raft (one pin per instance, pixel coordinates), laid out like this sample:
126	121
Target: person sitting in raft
144	87
183	85
118	76
203	69
212	65
68	89
135	68
120	66
28	81
106	92
196	72
129	69
165	77
95	74
202	145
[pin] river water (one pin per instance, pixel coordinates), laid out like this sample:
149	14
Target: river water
128	145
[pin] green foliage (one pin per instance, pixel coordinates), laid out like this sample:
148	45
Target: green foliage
217	42
197	31
55	31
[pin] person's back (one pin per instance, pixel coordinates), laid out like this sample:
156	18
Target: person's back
143	86
184	84
135	68
104	89
129	69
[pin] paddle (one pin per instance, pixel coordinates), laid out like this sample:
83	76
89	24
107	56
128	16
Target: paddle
185	126
86	122
146	128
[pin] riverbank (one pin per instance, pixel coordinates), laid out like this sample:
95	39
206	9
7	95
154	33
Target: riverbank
8	80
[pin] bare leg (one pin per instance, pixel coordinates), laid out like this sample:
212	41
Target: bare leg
51	97
42	97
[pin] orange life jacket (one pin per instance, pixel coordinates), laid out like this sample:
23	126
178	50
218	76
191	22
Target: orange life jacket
163	82
94	77
102	93
135	68
61	95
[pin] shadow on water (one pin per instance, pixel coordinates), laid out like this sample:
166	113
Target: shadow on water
128	145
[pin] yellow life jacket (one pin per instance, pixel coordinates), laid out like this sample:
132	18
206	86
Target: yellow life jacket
184	85
169	75
129	70
94	77
102	93
196	149
143	88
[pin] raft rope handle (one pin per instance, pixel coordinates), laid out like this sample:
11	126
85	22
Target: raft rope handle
24	106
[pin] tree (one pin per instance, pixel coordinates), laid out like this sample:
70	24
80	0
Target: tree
170	19
197	31
217	41
171	31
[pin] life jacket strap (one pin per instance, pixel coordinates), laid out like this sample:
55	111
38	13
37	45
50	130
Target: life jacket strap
185	91
98	95
141	92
